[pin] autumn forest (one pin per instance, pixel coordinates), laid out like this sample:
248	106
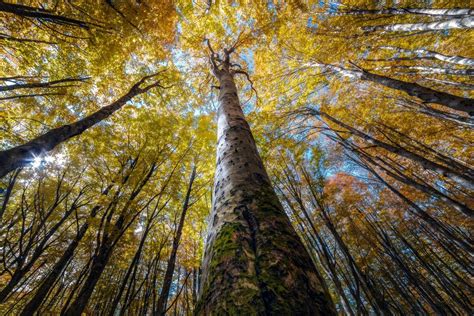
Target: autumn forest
200	157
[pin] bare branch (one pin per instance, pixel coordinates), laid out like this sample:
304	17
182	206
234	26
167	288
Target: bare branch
248	78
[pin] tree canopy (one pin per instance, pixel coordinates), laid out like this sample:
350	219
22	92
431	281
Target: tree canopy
362	112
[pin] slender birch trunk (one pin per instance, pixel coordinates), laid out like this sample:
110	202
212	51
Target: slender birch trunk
255	263
450	24
425	53
396	11
22	155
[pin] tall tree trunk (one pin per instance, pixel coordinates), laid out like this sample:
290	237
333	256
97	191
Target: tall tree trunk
410	70
106	246
425	94
42	14
459	60
8	192
254	263
432	12
467	177
48	84
131	268
161	306
99	263
454	23
22	155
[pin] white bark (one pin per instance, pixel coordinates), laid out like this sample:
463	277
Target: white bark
455	23
430	70
434	12
459	60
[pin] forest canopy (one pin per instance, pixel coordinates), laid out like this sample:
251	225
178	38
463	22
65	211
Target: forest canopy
236	157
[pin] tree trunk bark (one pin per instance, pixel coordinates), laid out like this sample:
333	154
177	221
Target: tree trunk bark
410	70
255	263
8	192
42	14
459	60
454	23
425	94
22	155
432	12
48	84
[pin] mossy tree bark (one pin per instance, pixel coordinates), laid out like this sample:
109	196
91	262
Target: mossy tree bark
255	263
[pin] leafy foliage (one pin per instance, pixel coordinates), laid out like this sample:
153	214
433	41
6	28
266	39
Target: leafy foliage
377	181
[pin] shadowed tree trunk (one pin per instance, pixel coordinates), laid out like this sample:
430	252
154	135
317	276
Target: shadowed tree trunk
161	308
59	266
105	248
49	84
255	263
42	15
22	155
425	94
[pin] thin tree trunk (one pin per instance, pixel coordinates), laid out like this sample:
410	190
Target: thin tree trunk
163	299
22	155
130	269
459	60
6	197
410	70
42	14
98	265
396	11
254	262
467	176
326	259
428	70
106	247
40	84
423	93
454	23
32	306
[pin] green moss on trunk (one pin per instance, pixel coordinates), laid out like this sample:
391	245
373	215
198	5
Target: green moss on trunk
261	270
